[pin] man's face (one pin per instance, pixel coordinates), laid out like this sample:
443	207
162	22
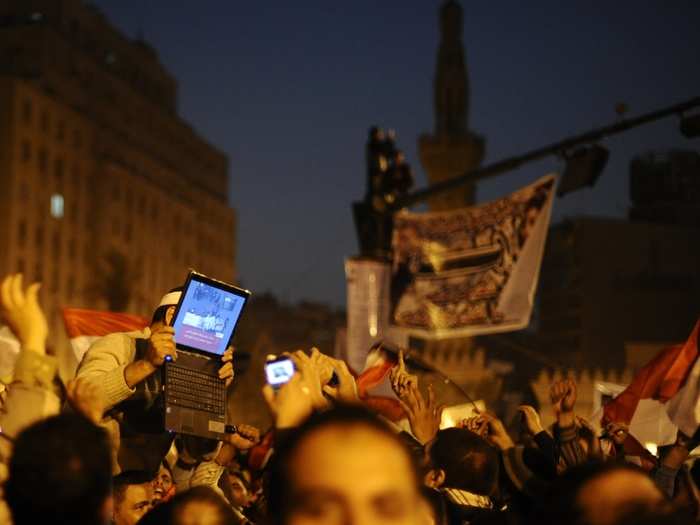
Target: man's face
162	483
239	492
136	502
352	475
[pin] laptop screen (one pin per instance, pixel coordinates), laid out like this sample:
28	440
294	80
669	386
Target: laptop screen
207	315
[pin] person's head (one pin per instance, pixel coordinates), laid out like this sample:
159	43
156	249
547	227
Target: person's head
163	315
163	482
197	506
60	472
236	488
461	459
133	496
343	466
598	493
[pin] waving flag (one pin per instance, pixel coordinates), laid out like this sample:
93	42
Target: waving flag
671	378
84	326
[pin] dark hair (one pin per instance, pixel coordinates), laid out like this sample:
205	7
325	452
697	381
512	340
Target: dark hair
70	459
278	484
159	314
560	504
467	459
171	512
123	480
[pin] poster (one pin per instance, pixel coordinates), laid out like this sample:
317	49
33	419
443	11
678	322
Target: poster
470	271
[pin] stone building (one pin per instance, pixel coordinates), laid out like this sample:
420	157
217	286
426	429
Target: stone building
608	285
108	195
452	149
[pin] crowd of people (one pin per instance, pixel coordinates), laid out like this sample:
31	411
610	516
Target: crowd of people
92	451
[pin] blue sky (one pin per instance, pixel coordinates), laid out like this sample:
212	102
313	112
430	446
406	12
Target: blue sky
288	89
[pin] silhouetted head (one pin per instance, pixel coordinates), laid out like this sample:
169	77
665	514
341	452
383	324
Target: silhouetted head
60	472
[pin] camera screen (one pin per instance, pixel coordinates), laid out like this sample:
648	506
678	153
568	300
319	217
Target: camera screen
279	372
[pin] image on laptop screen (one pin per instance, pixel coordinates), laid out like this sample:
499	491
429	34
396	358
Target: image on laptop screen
207	317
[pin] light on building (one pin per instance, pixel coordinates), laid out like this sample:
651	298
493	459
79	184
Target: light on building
57	206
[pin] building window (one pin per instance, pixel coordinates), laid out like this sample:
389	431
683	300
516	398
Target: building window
24	191
38	272
27	111
71	286
57	206
77	139
55	280
42	161
22	233
56	245
58	171
39	237
26	151
20	265
72	249
61	131
44	121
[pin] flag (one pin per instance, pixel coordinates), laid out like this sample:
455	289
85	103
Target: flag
85	326
470	271
671	378
683	408
378	365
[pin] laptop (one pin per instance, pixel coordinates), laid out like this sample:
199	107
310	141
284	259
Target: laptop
204	322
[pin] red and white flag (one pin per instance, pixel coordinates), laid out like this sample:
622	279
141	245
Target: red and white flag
672	378
378	365
85	326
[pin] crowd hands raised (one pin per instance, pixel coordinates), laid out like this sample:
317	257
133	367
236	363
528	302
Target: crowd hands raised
65	452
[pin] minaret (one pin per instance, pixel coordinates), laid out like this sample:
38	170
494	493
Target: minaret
452	150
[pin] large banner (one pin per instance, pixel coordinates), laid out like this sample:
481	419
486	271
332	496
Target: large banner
470	271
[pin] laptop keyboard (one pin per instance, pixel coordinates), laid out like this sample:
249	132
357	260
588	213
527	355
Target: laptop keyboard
194	389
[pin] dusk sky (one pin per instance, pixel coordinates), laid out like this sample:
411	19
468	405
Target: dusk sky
288	89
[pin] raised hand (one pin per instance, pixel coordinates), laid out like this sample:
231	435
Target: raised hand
226	370
617	432
496	432
311	369
563	396
423	416
245	437
476	424
23	314
291	404
531	419
401	380
161	344
346	390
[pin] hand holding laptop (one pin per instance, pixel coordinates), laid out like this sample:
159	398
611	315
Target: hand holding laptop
226	371
161	344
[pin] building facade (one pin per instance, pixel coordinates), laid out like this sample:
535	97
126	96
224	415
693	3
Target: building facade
108	195
611	284
452	149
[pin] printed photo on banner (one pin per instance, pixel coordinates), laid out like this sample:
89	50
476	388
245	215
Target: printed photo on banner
473	270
